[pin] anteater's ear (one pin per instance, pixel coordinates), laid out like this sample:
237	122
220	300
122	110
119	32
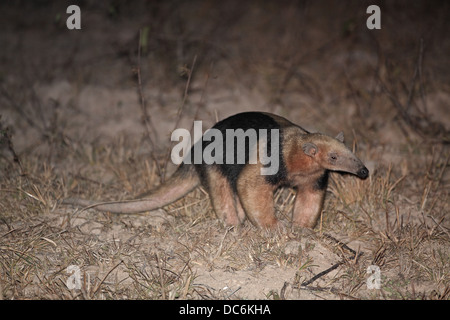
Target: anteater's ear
309	148
340	137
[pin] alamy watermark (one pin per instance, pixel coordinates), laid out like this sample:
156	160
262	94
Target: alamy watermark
73	282
229	148
74	20
76	280
374	20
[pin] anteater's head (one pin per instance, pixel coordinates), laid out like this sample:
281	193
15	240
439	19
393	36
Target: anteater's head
332	154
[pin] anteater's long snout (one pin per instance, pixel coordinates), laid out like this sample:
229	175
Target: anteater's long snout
363	173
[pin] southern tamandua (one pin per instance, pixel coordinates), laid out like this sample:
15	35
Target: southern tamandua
240	190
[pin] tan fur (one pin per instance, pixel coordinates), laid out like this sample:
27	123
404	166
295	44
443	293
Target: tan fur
182	182
307	207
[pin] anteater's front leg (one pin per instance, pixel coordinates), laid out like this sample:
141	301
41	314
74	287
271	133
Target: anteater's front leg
307	207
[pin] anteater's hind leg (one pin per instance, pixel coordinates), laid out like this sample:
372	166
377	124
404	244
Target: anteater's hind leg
256	197
309	202
224	201
307	207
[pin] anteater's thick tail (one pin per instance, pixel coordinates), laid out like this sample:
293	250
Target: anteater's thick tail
179	184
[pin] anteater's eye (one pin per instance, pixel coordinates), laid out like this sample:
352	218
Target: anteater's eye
333	157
